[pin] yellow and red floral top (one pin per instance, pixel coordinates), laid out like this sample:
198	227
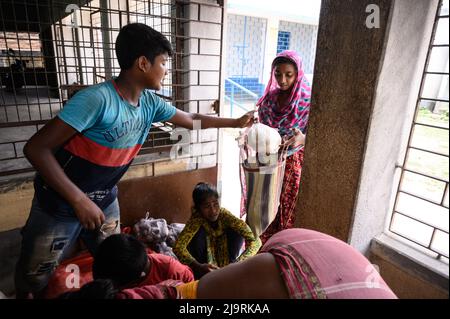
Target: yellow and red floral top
217	245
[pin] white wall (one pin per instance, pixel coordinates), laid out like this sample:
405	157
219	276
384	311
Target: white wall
303	40
255	35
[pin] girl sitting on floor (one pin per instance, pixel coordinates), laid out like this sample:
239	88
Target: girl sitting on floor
213	237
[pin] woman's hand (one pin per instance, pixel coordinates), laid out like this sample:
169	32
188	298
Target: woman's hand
210	267
202	269
246	120
206	268
295	140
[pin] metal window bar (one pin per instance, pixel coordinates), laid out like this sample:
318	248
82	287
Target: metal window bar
428	151
439	254
420	197
405	169
428	125
84	55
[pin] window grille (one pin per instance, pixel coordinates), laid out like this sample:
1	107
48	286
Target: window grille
421	214
66	45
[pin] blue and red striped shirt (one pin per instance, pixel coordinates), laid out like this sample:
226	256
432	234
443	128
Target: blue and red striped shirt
110	134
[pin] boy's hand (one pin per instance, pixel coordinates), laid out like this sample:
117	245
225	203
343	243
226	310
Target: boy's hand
89	214
246	120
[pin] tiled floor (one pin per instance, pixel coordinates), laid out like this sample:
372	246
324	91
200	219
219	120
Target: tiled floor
9	253
229	177
229	163
28	104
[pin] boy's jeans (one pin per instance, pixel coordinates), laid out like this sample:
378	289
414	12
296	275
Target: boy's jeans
47	239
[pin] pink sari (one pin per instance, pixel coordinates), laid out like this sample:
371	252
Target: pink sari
317	266
296	112
285	118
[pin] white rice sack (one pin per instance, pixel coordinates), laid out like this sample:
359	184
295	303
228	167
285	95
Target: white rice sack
264	139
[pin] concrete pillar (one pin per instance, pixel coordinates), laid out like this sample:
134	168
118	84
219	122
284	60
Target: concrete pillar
396	92
270	49
107	50
363	81
202	62
48	49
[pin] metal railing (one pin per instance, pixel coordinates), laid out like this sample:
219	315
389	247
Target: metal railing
232	98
